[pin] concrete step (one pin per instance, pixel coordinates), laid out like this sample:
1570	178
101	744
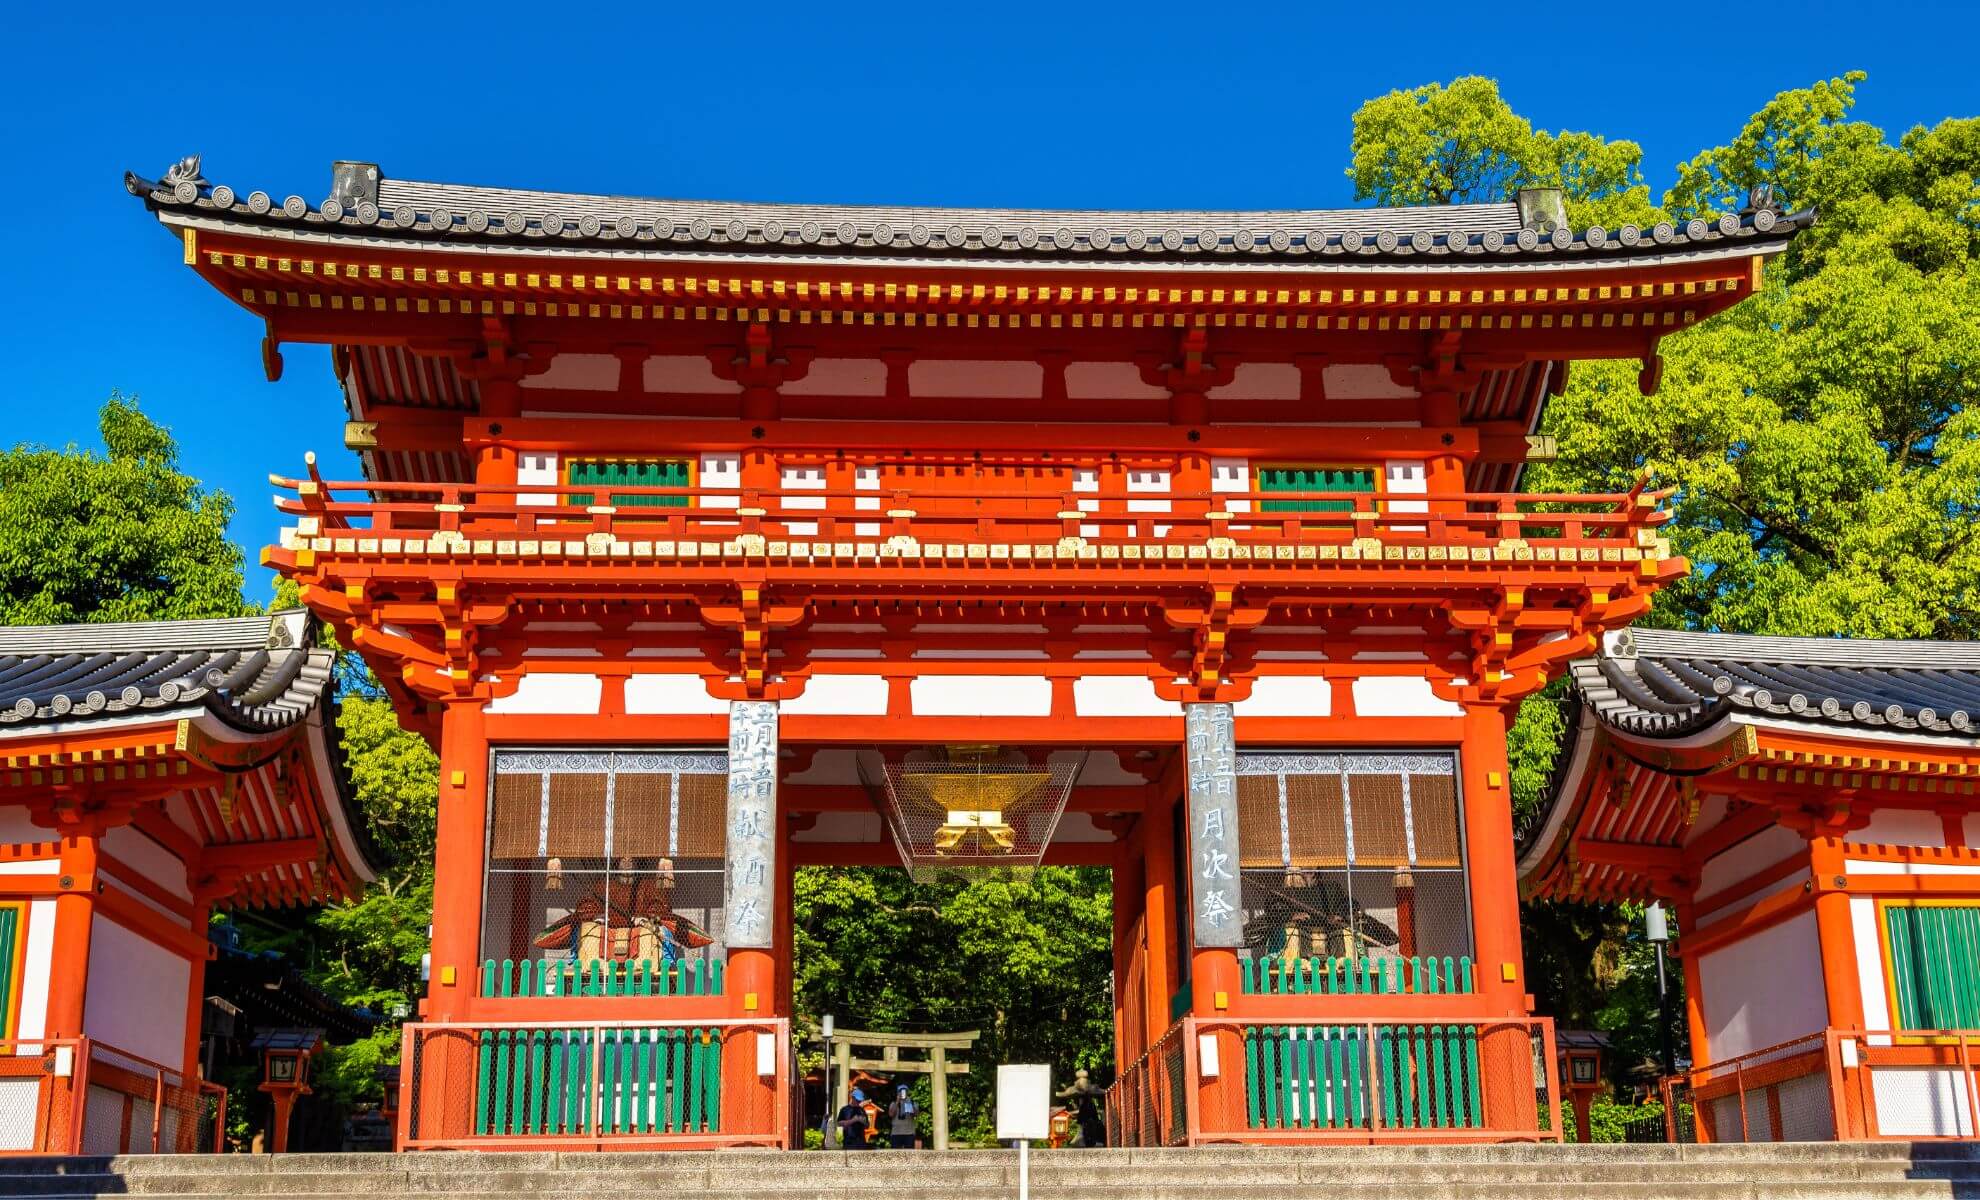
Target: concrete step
684	1173
1474	1190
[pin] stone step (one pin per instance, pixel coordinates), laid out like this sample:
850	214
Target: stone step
612	1163
1474	1190
684	1175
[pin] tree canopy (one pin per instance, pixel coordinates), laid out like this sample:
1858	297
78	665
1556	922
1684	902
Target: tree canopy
123	535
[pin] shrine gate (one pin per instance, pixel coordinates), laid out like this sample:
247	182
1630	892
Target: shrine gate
711	540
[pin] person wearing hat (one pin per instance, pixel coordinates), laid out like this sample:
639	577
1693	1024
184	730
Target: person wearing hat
852	1122
900	1118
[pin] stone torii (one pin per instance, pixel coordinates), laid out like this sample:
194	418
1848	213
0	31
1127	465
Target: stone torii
937	1066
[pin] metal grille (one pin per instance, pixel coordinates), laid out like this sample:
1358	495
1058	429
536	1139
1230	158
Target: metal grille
605	873
1780	1094
1351	857
967	810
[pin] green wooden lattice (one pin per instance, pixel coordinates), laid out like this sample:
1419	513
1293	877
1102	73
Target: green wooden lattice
1935	964
606	473
1313	479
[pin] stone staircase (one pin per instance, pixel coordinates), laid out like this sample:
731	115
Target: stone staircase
1881	1171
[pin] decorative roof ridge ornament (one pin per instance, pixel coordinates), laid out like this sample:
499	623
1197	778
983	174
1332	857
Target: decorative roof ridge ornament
1543	210
353	183
1763	197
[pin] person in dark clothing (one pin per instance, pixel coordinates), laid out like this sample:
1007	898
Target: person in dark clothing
900	1120
852	1122
1092	1130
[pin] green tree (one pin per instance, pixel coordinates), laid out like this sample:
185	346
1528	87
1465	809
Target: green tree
119	536
1820	436
1461	143
1027	962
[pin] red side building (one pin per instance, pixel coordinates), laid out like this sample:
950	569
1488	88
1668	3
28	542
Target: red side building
1810	807
710	540
150	773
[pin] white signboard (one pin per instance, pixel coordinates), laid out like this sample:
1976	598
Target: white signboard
1213	825
1024	1103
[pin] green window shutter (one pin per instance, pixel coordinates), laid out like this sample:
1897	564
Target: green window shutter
587	472
1935	965
1358	480
10	934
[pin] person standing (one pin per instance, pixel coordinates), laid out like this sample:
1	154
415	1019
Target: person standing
900	1120
852	1122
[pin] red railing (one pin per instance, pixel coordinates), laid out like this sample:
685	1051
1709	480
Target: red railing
77	1096
1840	1084
1232	1079
411	512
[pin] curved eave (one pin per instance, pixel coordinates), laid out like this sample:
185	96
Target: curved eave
1360	239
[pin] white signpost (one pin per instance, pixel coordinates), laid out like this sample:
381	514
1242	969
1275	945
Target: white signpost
1024	1113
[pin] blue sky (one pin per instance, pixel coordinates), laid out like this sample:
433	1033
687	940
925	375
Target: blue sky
1245	106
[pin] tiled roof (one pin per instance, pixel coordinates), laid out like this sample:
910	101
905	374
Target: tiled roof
366	205
1660	683
254	673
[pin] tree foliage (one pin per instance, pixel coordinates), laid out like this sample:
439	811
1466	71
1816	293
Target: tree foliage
1461	143
1029	963
1820	436
123	535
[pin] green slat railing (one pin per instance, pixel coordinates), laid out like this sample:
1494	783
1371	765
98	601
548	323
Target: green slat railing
1422	975
629	1080
548	977
1317	1076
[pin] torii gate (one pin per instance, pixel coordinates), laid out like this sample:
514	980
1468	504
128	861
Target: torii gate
937	1066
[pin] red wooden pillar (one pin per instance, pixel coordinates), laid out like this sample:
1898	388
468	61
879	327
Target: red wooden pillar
68	975
1505	1052
1129	1010
1159	905
443	1071
1833	929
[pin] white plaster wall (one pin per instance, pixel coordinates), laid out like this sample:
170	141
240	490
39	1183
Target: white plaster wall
538	467
32	866
138	993
1362	381
1109	380
149	859
981	696
976	378
578	373
1287	696
840	696
1231	475
552	692
720	469
1865	866
17	829
1120	696
1404	478
1400	696
691	374
39	964
1748	858
1260	381
1869	947
672	693
840	377
1765	989
1902	827
802	479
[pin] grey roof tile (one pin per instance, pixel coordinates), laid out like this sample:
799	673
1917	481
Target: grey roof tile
390	209
254	673
1664	683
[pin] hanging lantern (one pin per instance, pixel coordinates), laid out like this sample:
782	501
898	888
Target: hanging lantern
553	875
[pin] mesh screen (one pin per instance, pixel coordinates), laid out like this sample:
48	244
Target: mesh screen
1352	857
967	811
604	866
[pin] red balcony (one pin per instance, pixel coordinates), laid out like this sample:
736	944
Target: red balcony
521	529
